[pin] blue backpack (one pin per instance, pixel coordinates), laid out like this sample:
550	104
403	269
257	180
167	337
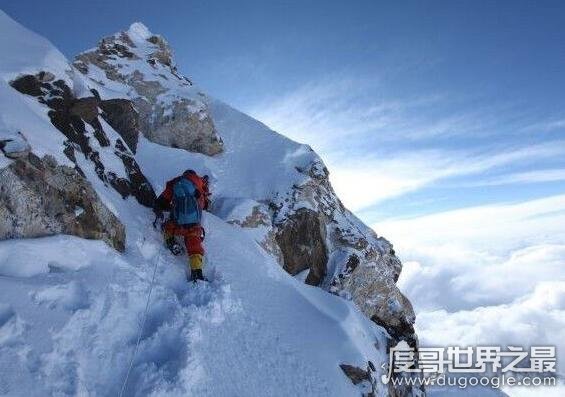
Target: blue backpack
185	207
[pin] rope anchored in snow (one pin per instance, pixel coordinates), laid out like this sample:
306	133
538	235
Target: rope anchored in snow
147	304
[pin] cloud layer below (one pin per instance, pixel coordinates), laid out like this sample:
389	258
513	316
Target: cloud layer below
488	274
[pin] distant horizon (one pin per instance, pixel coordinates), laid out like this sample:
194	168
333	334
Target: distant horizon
442	125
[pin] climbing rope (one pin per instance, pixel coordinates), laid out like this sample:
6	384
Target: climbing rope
142	323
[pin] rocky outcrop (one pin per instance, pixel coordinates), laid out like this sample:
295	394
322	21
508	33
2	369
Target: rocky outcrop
40	198
78	119
355	374
314	230
122	116
308	228
382	302
363	378
171	111
359	265
184	123
302	241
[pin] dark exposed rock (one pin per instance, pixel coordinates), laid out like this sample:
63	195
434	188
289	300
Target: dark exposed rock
28	85
302	240
45	77
352	263
40	198
86	109
362	378
110	48
163	53
138	185
69	115
356	374
402	330
123	117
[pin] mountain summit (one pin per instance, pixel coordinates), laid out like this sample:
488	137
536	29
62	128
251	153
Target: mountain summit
302	294
139	65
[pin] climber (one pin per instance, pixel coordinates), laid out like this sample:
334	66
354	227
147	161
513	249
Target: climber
184	198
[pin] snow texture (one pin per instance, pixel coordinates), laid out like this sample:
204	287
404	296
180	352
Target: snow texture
71	309
25	52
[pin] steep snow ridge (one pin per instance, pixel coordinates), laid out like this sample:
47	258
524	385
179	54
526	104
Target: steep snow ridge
71	308
261	165
277	172
40	54
257	162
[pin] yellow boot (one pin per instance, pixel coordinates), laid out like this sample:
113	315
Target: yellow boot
196	262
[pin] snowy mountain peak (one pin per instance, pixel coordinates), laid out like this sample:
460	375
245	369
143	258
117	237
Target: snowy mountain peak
83	151
138	31
138	65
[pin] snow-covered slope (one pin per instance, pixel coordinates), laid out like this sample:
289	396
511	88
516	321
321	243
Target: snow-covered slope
275	188
71	309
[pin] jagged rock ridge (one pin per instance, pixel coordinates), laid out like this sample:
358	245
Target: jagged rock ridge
129	84
172	112
78	120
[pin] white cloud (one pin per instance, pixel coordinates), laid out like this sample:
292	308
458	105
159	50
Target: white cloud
334	109
547	126
346	118
486	274
362	181
547	175
328	112
536	318
325	112
496	229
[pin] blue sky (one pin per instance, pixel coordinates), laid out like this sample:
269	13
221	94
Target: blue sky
438	86
442	122
417	107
